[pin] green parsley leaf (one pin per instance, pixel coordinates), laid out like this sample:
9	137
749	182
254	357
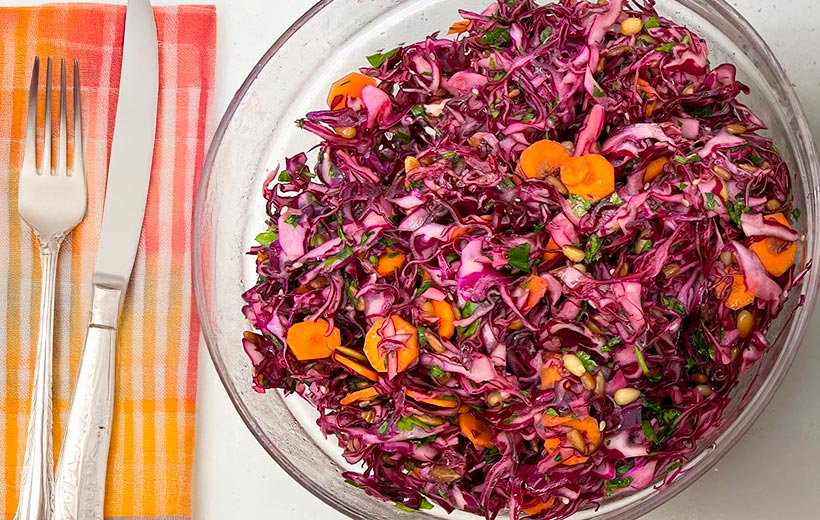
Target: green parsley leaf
623	469
354	484
529	116
642	246
558	457
673	304
666	420
616	200
594	245
469	309
703	350
418	111
711	203
649	431
674	466
366	236
580	205
686	160
796	213
436	371
406	424
426	285
652	23
498	76
736	209
378	59
293	220
552	412
519	257
498	37
615	484
343	255
610	345
383	428
686	39
666	47
268	237
425	505
706	111
597	92
546	34
587	361
757	161
775	149
402	507
469	331
284	176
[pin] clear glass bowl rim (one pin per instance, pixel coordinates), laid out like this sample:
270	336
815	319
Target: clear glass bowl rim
708	459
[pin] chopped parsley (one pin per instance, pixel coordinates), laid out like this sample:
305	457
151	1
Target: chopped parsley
268	237
610	345
519	257
615	484
546	34
593	248
673	304
686	160
597	92
580	205
378	59
666	47
652	23
498	37
587	361
711	203
703	350
293	220
796	213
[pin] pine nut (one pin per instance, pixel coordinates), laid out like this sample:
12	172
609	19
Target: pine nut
574	365
348	132
495	399
671	271
704	390
588	381
576	438
773	205
631	26
722	173
727	258
349	352
573	253
411	163
445	474
626	396
600	384
434	342
736	129
699	378
559	186
745	323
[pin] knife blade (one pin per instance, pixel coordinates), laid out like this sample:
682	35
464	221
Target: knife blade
79	490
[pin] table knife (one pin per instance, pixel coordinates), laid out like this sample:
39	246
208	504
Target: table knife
79	489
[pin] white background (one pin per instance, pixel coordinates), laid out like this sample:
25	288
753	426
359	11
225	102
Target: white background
773	473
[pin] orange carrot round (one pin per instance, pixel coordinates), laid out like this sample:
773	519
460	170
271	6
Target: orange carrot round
357	368
776	255
359	396
598	184
589	427
405	356
310	340
350	86
537	288
542	158
390	262
476	430
435	401
552	252
739	295
654	169
551	421
549	376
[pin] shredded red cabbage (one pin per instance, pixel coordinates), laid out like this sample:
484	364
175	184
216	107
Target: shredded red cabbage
419	172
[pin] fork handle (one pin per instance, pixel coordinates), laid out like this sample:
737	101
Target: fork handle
79	490
38	464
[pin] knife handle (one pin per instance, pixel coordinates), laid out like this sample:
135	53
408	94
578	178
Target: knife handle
79	490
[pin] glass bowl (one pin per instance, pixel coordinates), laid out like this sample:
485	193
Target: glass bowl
257	133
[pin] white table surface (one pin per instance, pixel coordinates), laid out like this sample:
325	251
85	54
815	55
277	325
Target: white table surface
774	472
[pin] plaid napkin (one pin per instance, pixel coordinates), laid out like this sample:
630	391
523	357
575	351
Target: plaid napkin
149	472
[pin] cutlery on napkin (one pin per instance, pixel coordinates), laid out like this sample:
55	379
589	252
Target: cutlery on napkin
149	469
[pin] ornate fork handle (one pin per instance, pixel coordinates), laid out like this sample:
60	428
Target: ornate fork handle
38	464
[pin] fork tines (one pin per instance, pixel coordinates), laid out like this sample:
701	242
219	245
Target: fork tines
30	154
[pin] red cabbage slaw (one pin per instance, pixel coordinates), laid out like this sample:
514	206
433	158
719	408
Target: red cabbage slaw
601	381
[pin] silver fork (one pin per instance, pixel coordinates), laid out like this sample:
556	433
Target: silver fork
52	202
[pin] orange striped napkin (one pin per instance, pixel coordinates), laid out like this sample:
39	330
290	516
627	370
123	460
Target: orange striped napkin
149	473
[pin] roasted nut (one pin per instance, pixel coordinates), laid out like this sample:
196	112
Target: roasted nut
574	365
626	396
631	26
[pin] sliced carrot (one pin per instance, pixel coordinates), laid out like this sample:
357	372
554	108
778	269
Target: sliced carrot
739	296
650	108
549	376
457	233
552	251
435	401
476	430
776	255
574	460
357	368
551	444
405	356
654	169
537	506
444	312
542	158
361	395
350	86
310	340
459	27
552	421
598	184
537	288
575	171
390	262
589	427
